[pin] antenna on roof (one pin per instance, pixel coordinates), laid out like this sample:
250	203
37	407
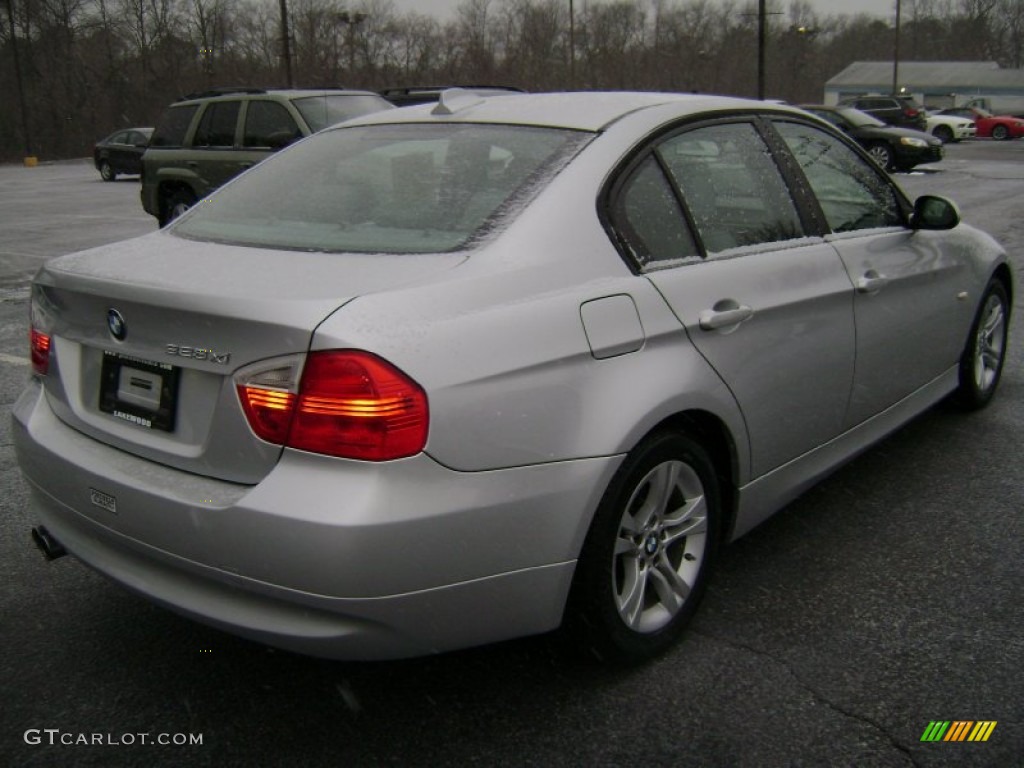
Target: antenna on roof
454	100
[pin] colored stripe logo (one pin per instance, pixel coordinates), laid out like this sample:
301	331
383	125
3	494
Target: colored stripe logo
958	730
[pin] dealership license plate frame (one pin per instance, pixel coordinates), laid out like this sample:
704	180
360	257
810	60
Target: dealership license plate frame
161	415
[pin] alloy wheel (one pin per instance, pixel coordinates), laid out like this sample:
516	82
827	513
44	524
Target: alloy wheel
989	344
662	542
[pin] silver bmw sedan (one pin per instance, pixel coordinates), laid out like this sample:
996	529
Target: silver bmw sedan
474	370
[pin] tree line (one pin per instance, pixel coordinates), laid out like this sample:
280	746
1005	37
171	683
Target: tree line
72	71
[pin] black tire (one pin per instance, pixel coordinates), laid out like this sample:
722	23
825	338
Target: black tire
1000	132
107	171
175	203
665	557
981	364
943	133
882	154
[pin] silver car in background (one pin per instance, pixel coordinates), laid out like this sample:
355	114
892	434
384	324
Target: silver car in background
452	374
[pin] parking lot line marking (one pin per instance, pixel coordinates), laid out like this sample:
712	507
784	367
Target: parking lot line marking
13	359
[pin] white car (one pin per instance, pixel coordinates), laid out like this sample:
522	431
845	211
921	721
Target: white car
949	128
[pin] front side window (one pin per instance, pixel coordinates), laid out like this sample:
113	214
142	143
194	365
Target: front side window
410	188
852	193
217	125
731	186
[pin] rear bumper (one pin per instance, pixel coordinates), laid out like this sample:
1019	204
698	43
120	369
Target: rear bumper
327	557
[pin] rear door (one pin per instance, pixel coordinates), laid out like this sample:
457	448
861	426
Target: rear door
907	283
216	160
267	127
711	220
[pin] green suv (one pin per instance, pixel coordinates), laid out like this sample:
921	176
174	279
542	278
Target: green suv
206	139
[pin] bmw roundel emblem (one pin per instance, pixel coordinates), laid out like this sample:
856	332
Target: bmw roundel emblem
116	324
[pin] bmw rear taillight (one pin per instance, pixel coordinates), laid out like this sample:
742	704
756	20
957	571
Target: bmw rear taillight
39	350
348	403
40	338
268	394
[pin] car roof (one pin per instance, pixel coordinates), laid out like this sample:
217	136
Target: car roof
577	110
227	93
421	94
148	131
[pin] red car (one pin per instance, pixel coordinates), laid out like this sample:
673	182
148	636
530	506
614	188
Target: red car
989	125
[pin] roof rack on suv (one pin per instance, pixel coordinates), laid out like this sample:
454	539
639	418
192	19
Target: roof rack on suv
220	91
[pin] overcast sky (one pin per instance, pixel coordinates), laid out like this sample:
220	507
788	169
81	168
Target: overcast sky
445	9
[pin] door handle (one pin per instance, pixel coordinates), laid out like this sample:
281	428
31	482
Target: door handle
716	319
871	282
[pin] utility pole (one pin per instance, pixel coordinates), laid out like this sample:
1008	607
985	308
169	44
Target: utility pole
286	44
896	54
762	12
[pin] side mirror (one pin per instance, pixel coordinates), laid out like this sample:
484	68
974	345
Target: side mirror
933	212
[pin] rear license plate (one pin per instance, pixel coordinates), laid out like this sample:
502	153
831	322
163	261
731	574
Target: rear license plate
139	391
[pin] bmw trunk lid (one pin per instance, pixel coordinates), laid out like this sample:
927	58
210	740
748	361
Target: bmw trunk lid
146	335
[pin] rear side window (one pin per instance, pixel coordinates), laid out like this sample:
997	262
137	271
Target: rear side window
217	125
731	186
173	126
648	218
322	111
851	191
269	125
409	188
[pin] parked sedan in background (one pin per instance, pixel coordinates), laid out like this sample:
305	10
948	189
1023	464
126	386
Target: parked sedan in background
456	373
121	152
999	127
895	149
950	128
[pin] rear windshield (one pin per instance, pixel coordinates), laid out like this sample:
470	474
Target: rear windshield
861	119
410	188
322	111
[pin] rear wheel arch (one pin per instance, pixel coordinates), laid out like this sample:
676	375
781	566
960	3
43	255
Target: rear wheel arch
169	195
710	433
714	437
